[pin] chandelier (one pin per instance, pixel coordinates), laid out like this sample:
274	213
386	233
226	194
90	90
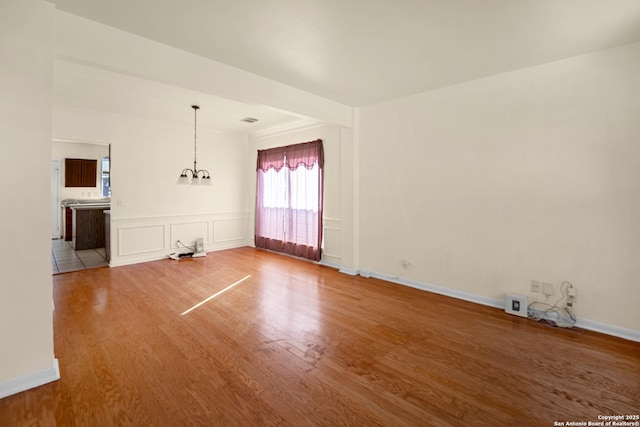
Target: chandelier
195	176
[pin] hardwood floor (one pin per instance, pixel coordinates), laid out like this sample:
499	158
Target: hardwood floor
301	344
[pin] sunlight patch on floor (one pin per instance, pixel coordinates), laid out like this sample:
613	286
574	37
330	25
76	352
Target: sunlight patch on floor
215	295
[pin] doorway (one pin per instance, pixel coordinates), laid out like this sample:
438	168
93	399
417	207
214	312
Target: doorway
91	253
56	210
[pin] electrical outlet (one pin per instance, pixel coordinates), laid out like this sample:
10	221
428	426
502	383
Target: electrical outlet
547	288
516	304
405	264
535	286
572	294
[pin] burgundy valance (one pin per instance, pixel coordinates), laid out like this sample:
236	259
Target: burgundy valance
306	154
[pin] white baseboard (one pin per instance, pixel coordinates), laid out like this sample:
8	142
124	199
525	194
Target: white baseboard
616	331
466	296
349	271
329	263
120	262
29	381
157	256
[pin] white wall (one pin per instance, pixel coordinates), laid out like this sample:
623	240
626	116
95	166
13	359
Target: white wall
533	174
149	211
26	327
79	150
331	137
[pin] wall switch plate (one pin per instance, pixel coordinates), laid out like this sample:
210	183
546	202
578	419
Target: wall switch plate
547	288
516	305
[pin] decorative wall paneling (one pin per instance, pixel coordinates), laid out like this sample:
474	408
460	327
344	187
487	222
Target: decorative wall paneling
332	234
148	239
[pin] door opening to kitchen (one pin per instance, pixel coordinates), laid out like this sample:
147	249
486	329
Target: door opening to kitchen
82	196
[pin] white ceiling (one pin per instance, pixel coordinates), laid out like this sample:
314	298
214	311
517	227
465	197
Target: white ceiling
360	52
85	87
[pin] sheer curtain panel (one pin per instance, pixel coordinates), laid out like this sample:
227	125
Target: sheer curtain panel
289	199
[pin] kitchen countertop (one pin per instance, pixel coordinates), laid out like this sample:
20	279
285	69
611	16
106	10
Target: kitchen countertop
89	206
89	203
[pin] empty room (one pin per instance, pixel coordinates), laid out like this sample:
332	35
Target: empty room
418	212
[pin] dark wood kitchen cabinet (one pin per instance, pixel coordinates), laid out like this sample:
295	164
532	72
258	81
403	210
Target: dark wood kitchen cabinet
107	234
80	172
88	228
68	224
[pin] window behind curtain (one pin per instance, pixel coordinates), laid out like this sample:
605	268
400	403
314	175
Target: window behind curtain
289	199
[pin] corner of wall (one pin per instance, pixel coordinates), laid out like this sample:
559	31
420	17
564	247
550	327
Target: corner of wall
29	381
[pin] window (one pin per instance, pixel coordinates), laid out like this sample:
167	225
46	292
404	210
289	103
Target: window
289	199
106	178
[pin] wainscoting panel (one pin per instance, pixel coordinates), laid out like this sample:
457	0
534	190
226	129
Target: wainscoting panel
134	240
148	239
230	231
332	232
188	232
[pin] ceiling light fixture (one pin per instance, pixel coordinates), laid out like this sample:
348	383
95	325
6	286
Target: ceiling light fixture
195	178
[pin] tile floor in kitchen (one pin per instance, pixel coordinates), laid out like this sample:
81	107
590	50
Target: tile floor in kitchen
64	259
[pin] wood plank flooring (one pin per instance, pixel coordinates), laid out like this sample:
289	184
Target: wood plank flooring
297	344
